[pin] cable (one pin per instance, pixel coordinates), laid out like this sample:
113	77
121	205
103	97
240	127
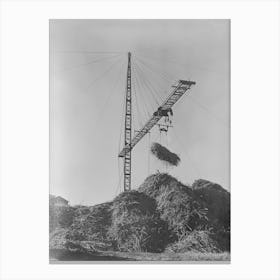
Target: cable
149	144
145	106
120	178
182	65
186	153
163	76
87	63
163	81
144	101
148	85
162	86
108	98
208	111
122	120
103	74
140	124
141	76
155	91
85	52
145	112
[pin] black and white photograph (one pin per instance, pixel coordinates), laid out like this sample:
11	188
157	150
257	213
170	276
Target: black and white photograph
139	140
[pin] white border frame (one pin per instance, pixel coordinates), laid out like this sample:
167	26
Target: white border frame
255	137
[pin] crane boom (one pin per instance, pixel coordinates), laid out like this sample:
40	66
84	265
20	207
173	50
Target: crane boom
179	90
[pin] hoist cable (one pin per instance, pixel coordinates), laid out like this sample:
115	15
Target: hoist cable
193	164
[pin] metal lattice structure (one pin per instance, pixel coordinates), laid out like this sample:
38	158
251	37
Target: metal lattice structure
179	89
127	129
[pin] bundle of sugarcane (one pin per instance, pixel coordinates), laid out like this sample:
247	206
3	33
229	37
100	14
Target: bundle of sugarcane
164	154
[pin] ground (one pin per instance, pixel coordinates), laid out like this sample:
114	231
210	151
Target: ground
66	255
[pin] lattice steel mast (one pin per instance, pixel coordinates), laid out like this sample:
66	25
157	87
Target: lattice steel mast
127	128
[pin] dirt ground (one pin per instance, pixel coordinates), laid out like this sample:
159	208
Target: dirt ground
57	255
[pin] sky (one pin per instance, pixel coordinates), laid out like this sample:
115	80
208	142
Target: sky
88	64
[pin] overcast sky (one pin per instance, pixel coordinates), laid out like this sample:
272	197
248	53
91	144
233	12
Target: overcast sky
88	61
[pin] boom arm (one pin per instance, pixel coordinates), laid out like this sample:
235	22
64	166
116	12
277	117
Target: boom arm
179	90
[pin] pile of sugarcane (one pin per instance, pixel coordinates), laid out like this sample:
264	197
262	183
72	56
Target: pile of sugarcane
136	225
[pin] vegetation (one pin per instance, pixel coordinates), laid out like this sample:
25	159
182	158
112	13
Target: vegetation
195	241
136	225
92	225
60	216
176	203
217	200
163	215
